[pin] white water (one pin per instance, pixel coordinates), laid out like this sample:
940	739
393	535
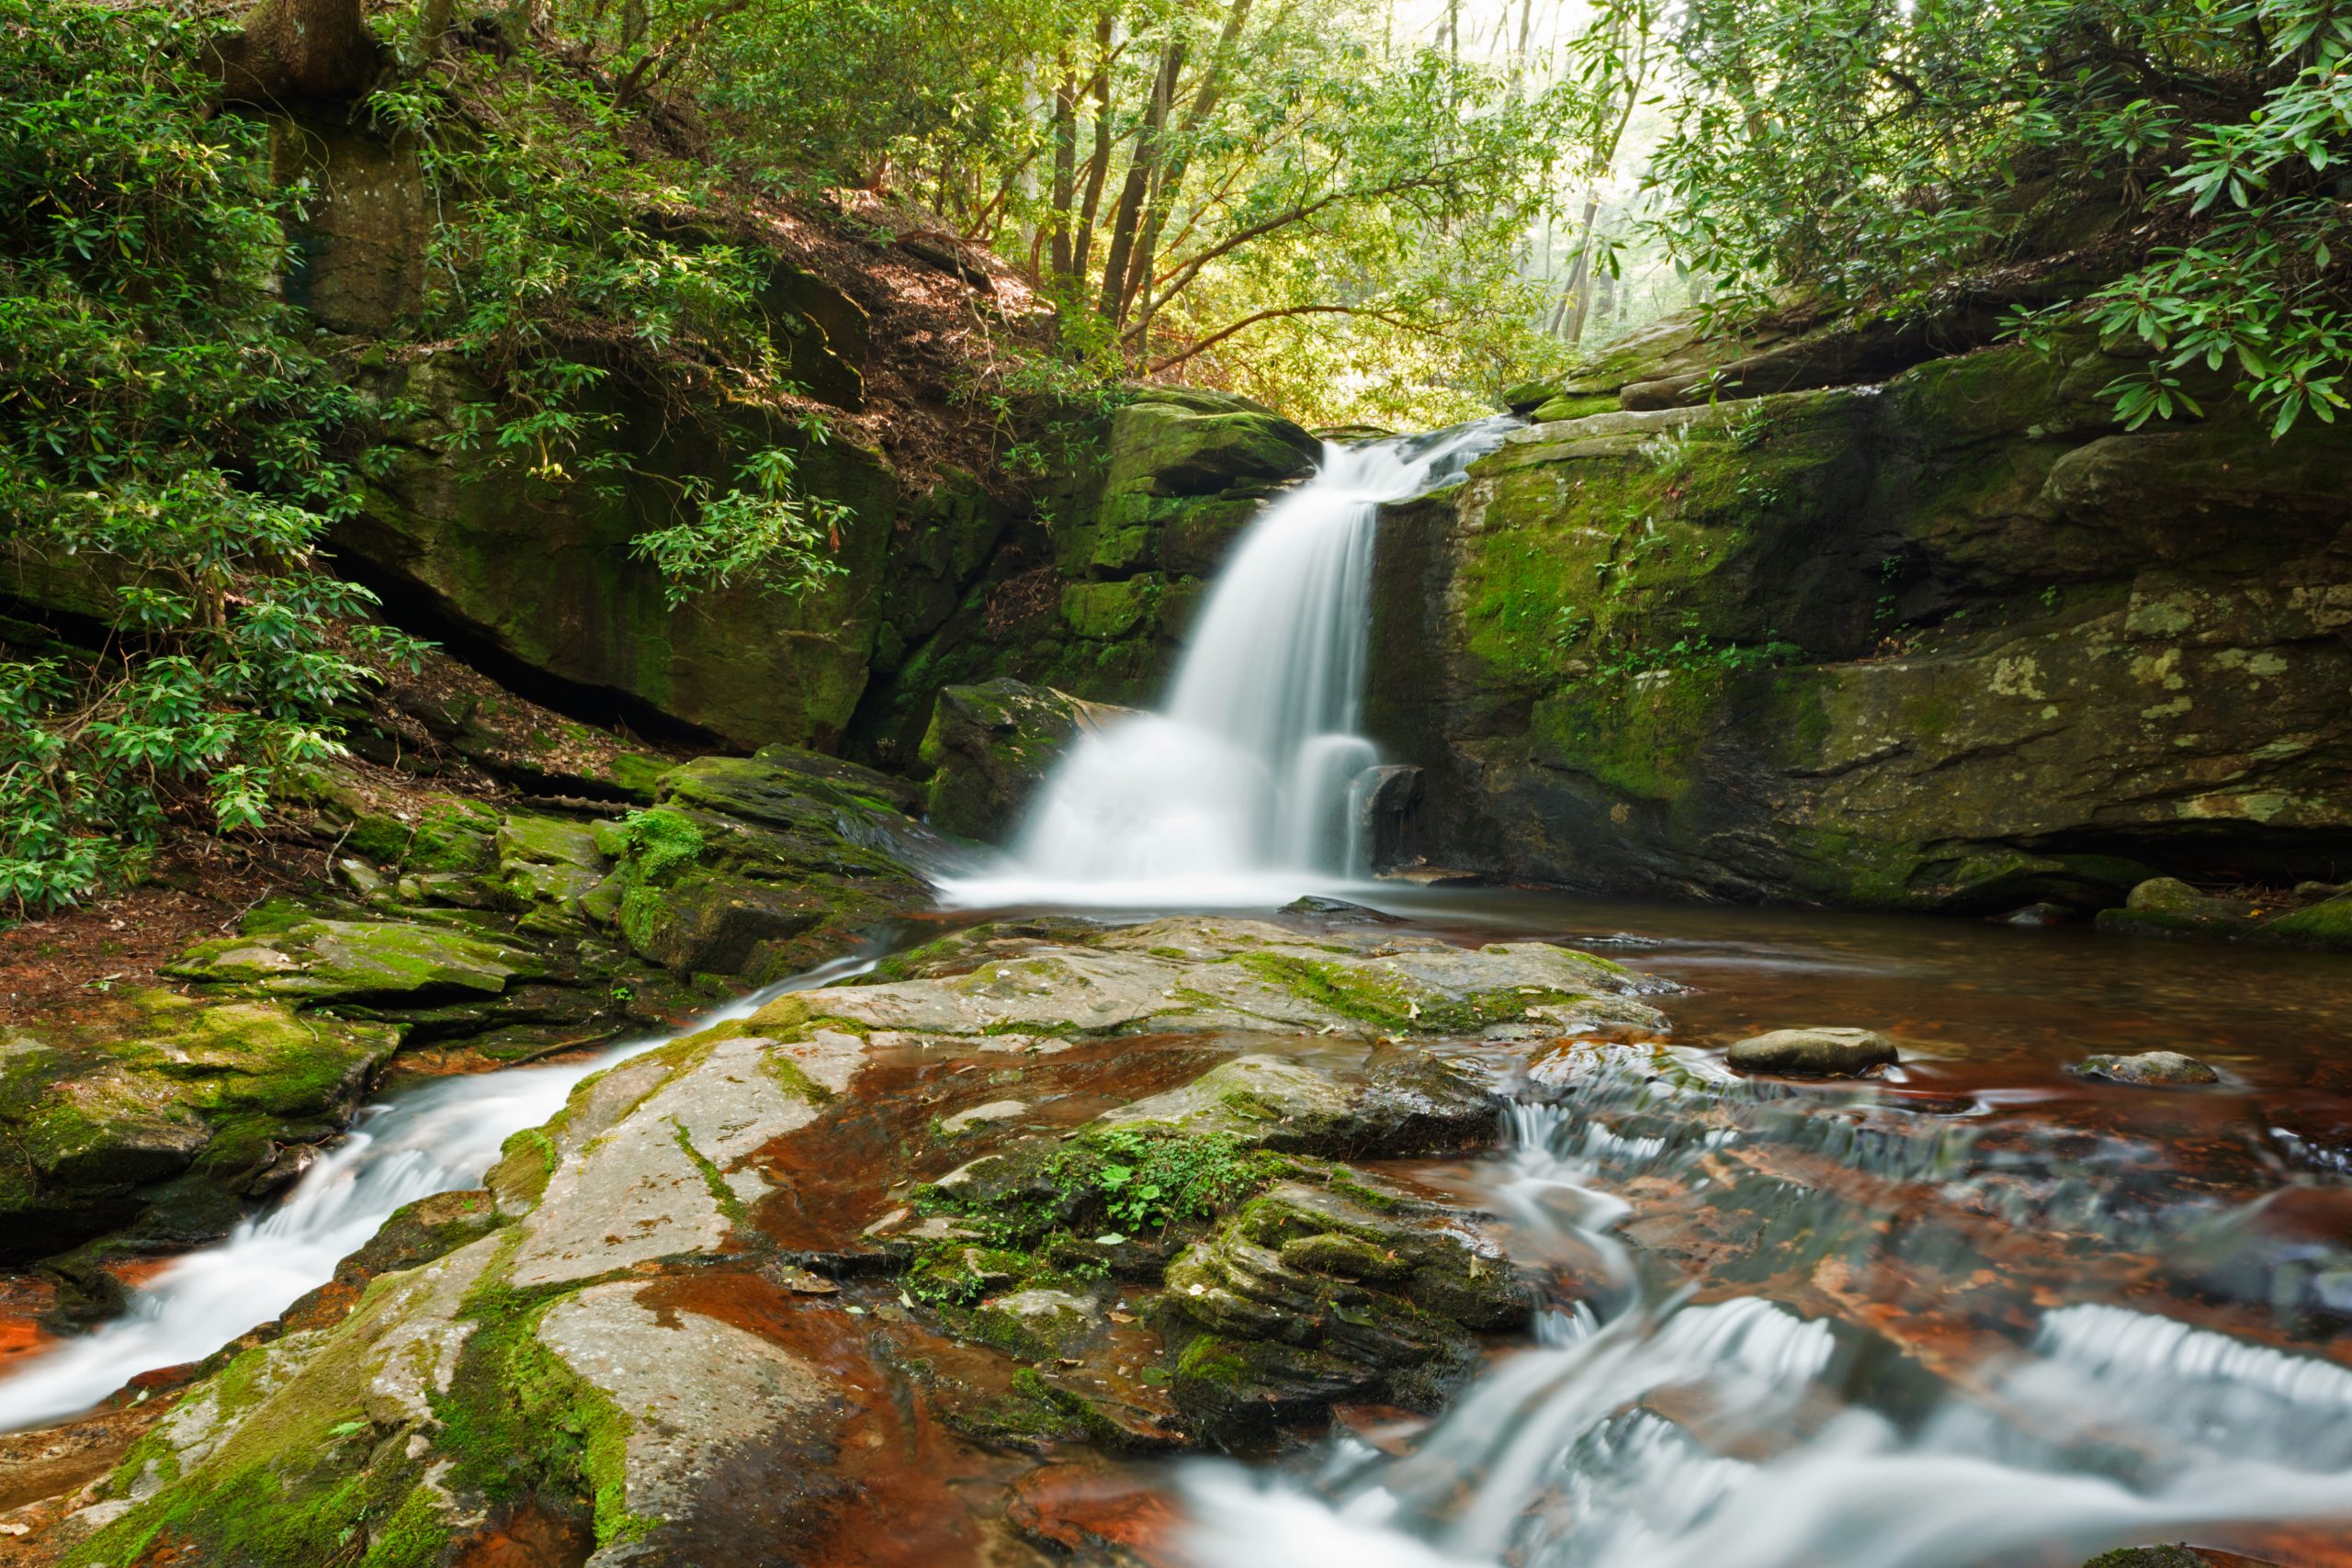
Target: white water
436	1138
1236	792
2110	1426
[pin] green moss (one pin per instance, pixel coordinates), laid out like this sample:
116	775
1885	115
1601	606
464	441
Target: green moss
518	1419
1389	1000
1642	740
1559	407
787	1072
713	1179
1216	1362
660	841
526	1160
301	1478
2328	924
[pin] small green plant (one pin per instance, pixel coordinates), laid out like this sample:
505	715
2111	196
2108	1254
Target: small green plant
1697	652
1668	451
1149	1179
1752	429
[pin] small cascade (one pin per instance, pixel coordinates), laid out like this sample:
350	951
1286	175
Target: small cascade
439	1137
1646	1428
1238	790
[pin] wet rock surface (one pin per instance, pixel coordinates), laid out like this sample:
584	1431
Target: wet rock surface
914	1263
457	934
1949	641
1813	1053
616	1328
162	1112
2157	1069
1316	1294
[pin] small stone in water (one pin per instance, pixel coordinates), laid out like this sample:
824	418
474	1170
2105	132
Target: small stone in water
1813	1053
2158	1069
994	1111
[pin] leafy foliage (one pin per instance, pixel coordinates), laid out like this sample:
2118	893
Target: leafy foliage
168	460
568	272
1865	151
1149	1180
1282	198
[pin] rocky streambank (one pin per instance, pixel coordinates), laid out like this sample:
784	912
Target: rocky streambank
459	932
935	1263
962	1152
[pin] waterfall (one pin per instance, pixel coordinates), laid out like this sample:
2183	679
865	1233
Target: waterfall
1238	791
438	1137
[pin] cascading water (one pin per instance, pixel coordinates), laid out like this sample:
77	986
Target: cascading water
1659	1431
1238	791
432	1139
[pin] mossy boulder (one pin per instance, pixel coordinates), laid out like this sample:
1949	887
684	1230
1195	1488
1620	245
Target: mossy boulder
542	572
1947	642
2327	923
759	866
1310	1296
989	745
1405	1103
1180	441
363	962
158	1113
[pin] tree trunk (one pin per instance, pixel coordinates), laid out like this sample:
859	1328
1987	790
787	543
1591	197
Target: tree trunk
1205	99
1097	162
1065	167
1576	297
290	50
432	24
1141	165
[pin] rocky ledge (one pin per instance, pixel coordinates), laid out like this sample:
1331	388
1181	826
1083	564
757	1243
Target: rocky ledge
459	933
1065	1184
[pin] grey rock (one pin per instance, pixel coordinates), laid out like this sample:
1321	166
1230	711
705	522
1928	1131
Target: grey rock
2149	1070
980	1116
704	1402
1813	1053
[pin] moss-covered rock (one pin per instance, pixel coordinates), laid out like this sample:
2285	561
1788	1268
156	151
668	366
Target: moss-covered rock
610	1327
543	572
1950	642
989	745
1405	1103
366	962
758	867
1310	1296
156	1113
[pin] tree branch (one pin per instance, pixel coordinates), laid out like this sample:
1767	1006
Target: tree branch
1394	319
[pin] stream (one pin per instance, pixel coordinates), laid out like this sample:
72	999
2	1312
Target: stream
1979	1310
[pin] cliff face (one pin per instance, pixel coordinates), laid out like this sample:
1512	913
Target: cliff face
1080	577
1952	641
